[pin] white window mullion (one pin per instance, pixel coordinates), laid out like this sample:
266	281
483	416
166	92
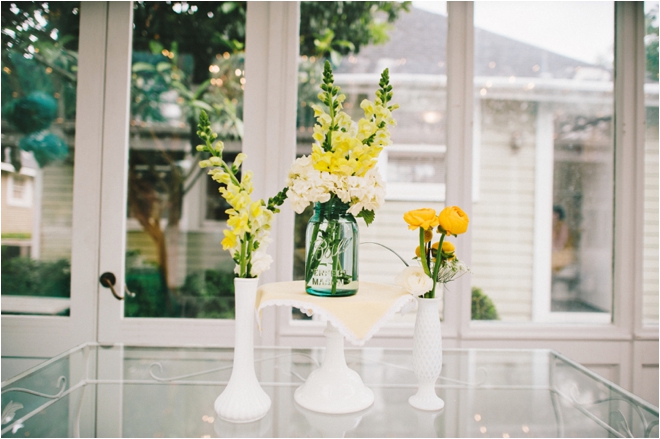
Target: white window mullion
629	116
460	67
115	169
271	74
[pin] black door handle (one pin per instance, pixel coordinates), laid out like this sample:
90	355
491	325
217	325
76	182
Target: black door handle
108	280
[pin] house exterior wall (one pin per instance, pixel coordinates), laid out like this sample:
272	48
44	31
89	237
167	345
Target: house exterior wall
15	219
503	217
650	276
56	213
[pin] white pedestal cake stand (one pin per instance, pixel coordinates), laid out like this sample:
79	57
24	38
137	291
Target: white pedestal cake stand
334	388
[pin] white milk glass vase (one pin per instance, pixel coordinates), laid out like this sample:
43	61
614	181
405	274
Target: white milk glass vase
243	400
427	355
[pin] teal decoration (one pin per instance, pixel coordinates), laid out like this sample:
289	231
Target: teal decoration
46	147
32	113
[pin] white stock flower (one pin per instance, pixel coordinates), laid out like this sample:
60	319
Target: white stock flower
414	280
260	262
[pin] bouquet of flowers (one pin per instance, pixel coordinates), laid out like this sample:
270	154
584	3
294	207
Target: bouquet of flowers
439	263
249	220
341	177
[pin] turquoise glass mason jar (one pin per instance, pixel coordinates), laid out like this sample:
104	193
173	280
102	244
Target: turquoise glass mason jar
331	258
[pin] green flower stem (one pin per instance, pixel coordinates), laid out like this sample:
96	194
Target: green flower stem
231	174
248	254
309	270
422	252
439	259
423	255
243	269
335	256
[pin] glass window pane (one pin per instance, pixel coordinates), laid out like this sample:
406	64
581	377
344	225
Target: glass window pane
542	219
39	70
650	303
413	47
186	57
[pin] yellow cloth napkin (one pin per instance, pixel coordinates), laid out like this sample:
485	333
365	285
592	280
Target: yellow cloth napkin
357	317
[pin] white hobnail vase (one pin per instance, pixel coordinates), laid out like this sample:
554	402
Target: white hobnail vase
243	400
427	355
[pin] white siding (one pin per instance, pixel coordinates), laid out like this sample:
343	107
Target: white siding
56	214
503	217
651	225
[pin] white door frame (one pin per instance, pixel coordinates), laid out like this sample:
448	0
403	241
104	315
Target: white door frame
269	107
46	336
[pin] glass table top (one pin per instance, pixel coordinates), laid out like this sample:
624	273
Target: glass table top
132	391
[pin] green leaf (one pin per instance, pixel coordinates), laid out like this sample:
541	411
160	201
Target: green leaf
347	44
142	67
202	105
367	215
162	66
201	89
227	7
155	47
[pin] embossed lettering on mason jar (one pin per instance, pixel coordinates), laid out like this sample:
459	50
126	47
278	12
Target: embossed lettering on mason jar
331	263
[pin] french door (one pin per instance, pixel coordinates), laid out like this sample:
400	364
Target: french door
144	160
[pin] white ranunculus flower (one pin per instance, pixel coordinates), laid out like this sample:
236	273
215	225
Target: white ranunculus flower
260	262
414	280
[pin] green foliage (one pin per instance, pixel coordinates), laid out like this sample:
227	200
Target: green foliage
334	29
37	37
275	202
150	293
28	277
220	25
208	294
204	294
367	215
651	43
482	306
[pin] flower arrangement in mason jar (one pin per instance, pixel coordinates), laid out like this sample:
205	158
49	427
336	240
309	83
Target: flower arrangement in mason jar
438	260
341	178
248	226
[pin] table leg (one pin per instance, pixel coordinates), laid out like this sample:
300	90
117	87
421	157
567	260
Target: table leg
334	388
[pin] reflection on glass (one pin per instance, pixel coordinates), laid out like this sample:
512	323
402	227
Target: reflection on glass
542	221
361	43
650	302
186	58
39	65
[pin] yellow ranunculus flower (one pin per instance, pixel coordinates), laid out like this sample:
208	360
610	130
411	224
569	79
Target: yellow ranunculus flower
453	221
448	249
424	218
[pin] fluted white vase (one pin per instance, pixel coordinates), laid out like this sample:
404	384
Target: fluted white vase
427	355
243	400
